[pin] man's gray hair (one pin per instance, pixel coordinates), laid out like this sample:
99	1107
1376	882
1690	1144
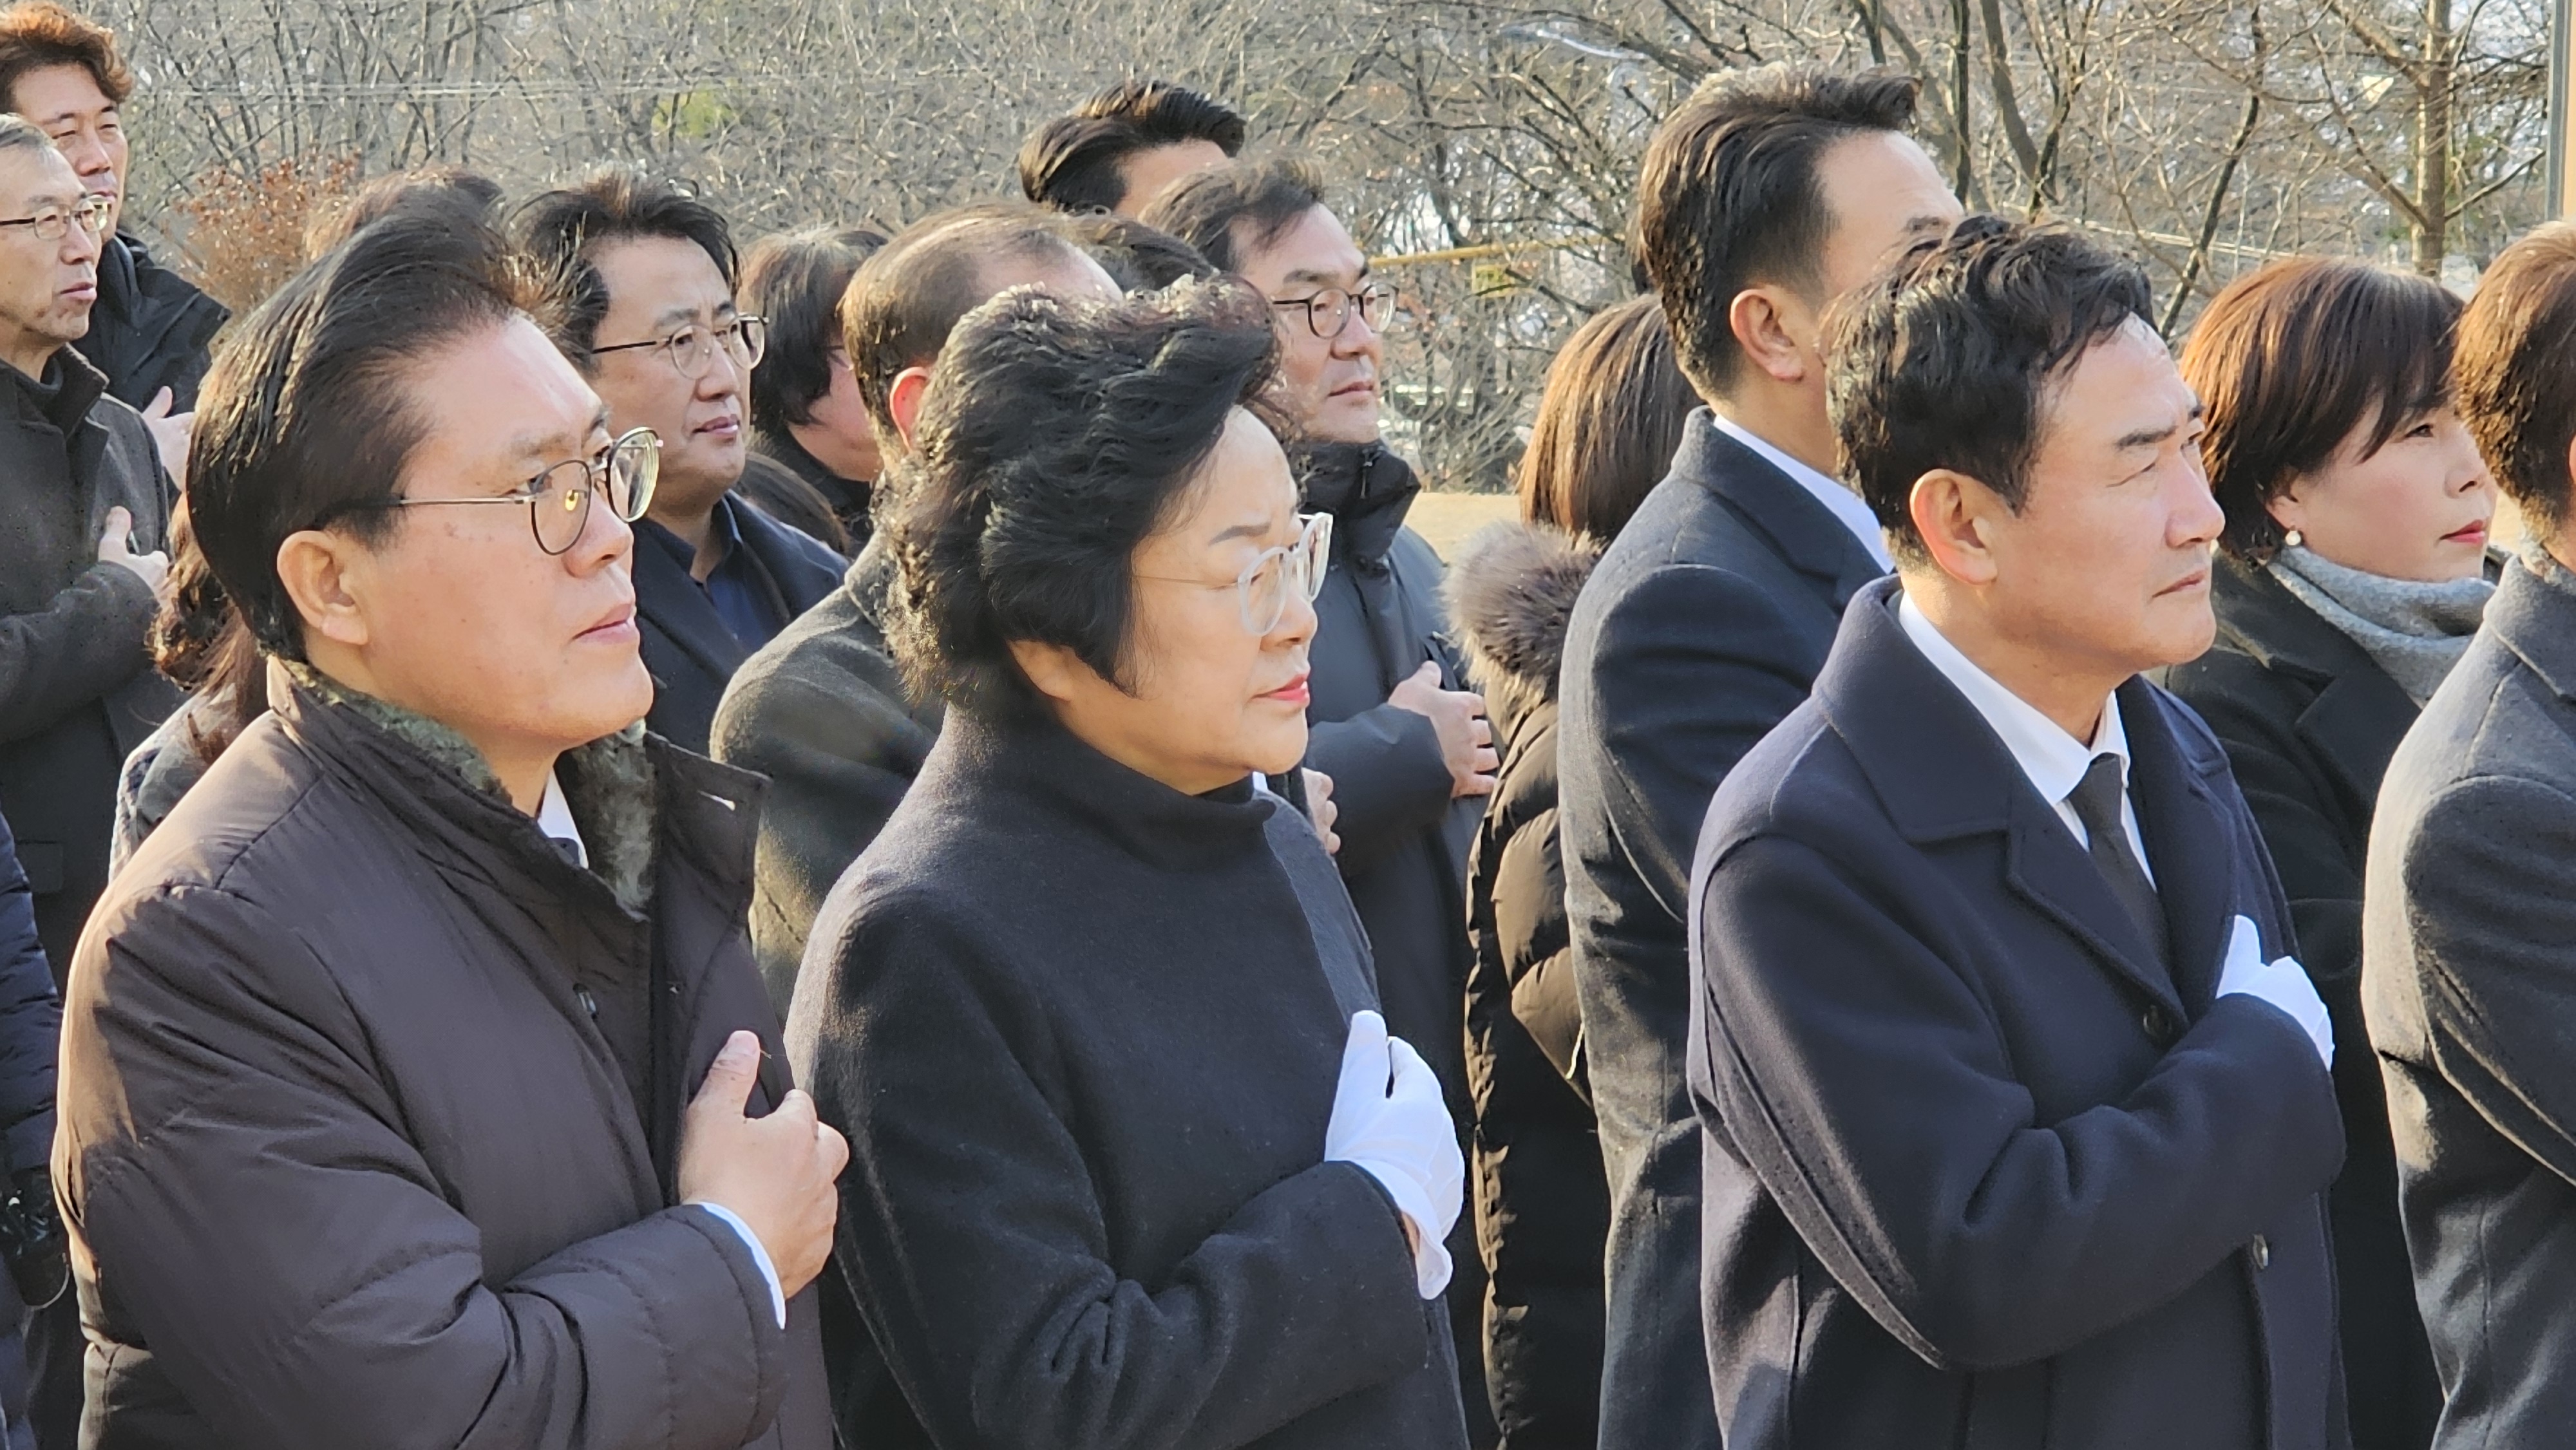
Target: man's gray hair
17	133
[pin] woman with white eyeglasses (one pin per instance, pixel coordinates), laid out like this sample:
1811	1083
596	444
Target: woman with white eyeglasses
1135	1161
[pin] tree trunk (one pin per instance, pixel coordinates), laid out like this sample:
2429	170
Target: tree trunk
2433	96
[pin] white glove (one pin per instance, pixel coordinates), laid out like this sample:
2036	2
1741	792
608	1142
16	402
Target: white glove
1389	1120
2281	982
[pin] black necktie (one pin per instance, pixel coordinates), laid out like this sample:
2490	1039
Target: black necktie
2096	800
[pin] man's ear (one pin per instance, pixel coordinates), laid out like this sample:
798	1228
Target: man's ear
1766	321
903	400
1954	515
324	575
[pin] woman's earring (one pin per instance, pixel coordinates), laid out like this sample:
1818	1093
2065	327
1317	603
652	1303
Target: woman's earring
2293	538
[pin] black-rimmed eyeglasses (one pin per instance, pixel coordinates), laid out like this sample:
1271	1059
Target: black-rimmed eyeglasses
1329	311
558	500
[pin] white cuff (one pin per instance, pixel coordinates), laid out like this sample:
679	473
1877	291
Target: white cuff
1431	1265
759	1255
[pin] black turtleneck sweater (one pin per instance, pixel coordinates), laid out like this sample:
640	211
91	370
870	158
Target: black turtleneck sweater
1083	1032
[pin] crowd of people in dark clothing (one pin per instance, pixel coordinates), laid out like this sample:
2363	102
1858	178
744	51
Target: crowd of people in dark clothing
885	838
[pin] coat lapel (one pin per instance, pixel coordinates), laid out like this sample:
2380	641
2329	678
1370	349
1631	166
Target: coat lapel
2047	869
672	602
2189	847
1943	774
1801	530
2359	714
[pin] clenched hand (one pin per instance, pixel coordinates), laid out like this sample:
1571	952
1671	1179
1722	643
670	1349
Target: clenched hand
774	1173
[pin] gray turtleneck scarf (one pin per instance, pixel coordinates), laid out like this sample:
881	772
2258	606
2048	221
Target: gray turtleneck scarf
2414	630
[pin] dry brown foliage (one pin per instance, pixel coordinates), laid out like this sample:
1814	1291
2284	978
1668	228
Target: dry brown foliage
241	235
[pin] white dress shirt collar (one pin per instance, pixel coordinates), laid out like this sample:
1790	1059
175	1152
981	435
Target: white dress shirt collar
554	817
2053	760
1841	502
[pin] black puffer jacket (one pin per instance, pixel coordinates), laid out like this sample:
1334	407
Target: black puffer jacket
1542	1205
152	328
370	1107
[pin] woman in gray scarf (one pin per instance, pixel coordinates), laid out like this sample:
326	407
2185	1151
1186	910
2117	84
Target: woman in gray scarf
2354	569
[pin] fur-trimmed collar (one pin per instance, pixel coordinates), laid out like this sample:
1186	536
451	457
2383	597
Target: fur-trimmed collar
608	783
1510	594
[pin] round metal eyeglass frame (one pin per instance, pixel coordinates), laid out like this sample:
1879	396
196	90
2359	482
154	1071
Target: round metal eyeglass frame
558	500
1328	313
1262	590
49	226
692	349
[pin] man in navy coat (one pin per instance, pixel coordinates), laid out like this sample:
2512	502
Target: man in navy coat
1767	194
2016	1105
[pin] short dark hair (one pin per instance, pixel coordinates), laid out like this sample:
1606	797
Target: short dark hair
1946	358
796	281
305	421
1139	258
40	34
1075	162
1609	420
455	191
902	303
1056	438
562	228
2516	367
1263	198
1729	196
2291	359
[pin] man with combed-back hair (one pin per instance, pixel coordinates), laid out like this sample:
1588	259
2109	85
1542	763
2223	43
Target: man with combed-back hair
2468	940
1766	195
647	273
418	1089
1120	149
2016	1107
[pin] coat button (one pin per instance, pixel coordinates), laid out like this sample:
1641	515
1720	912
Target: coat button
2262	1250
2158	1024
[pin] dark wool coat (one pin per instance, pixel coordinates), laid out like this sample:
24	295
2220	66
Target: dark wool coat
822	711
370	1108
1084	1034
150	328
1703	625
2309	722
1981	1171
2468	939
1542	1206
76	688
686	644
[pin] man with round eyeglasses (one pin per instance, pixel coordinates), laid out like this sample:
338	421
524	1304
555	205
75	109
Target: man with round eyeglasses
418	1086
649	275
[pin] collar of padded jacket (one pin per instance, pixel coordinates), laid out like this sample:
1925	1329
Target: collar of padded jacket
1364	486
609	783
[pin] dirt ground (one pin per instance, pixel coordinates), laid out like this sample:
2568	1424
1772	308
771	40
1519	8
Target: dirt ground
1450	519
